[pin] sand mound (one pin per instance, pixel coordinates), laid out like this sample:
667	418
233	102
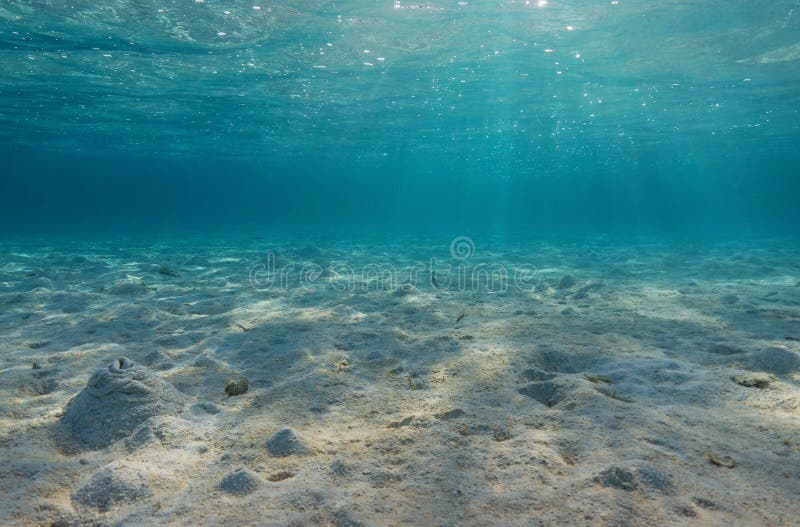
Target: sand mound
776	359
163	431
286	442
116	400
567	282
633	476
116	483
128	287
240	482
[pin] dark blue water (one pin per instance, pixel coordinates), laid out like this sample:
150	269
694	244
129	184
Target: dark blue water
559	119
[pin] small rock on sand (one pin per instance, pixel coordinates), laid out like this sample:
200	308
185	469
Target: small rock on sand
502	433
618	478
280	476
721	461
237	386
753	380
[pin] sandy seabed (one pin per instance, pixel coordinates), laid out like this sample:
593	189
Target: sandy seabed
616	385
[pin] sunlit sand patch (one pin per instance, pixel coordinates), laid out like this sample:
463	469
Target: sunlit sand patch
430	399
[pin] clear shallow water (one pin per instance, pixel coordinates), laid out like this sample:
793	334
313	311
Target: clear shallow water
548	119
506	260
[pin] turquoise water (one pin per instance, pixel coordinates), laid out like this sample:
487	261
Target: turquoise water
547	119
382	263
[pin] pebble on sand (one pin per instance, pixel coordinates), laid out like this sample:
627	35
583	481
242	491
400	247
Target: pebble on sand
759	380
618	478
237	386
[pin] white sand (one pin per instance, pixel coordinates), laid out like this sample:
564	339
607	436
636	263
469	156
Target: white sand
412	406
